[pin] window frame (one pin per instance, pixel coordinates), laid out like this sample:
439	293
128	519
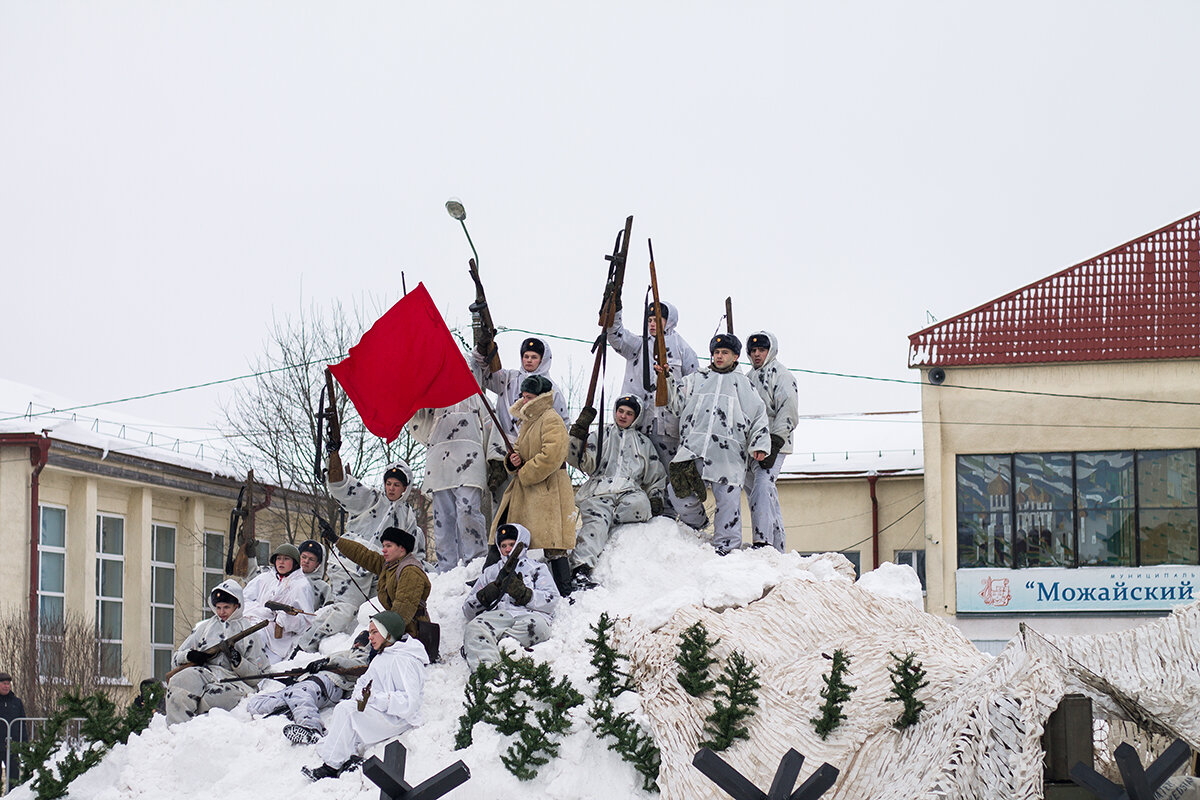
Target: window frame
101	599
157	566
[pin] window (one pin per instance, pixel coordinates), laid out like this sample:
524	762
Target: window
52	561
914	559
162	598
1095	509
214	567
110	591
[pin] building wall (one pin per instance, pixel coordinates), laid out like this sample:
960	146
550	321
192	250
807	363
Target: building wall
964	421
141	506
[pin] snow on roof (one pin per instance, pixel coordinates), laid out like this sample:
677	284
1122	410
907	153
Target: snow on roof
1140	300
26	409
856	444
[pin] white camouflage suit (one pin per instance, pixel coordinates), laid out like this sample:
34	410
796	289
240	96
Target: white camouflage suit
618	489
722	421
456	474
305	698
777	388
293	589
371	513
528	624
396	676
506	383
660	423
195	690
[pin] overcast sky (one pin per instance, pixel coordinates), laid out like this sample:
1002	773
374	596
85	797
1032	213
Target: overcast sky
173	174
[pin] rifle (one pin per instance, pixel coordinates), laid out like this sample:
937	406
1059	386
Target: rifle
510	566
242	516
222	645
366	695
660	341
327	418
729	315
285	608
608	304
292	673
481	322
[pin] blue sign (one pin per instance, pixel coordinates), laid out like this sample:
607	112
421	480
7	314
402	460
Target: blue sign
1099	589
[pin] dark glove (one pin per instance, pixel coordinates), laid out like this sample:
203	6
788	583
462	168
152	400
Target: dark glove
776	446
232	654
251	548
686	480
496	474
328	534
489	594
313	667
656	506
198	657
515	588
579	428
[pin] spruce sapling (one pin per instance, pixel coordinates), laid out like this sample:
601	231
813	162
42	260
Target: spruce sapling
478	695
694	659
908	676
735	701
836	693
608	676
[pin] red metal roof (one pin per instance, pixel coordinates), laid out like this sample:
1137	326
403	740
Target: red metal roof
1138	301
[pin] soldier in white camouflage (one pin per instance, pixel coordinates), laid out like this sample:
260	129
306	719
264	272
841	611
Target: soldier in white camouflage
777	388
194	690
626	482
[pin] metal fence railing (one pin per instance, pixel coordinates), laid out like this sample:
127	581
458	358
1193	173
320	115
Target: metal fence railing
25	729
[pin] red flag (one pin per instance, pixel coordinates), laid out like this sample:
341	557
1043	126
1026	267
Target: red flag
407	361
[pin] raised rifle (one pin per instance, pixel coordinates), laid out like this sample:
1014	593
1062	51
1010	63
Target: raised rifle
222	646
292	673
608	303
241	526
660	337
506	571
729	315
285	608
481	322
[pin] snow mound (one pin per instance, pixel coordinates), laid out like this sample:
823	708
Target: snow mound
898	581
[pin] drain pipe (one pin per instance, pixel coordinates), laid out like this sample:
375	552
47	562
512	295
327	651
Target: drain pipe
39	454
872	477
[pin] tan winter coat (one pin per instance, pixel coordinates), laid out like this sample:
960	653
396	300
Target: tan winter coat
403	585
540	495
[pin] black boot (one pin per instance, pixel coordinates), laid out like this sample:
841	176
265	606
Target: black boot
560	570
581	579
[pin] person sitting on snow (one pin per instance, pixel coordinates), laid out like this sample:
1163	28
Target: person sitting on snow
320	688
194	690
285	584
626	482
518	604
403	585
723	426
384	703
311	557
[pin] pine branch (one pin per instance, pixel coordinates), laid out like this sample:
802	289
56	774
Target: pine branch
836	693
478	694
608	676
694	659
735	701
908	677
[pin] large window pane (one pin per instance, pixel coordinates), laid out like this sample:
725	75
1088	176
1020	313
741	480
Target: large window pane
53	526
110	535
110	620
164	586
1045	539
1104	480
50	567
110	578
110	660
162	624
50	612
162	663
1043	481
214	553
1106	538
1169	536
164	544
1167	479
984	484
983	540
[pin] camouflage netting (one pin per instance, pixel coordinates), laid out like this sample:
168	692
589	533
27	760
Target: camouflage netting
980	734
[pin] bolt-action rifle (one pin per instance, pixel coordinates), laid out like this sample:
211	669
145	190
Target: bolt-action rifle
481	322
660	340
275	605
506	571
223	646
292	673
241	526
609	304
729	315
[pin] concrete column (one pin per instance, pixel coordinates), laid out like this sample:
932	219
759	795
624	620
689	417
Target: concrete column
15	473
135	644
941	537
81	548
189	566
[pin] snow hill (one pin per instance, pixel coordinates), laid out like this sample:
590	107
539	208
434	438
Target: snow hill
783	612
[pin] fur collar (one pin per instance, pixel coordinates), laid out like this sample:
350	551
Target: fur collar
526	411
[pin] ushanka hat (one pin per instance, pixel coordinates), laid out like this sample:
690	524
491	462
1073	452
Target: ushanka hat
536	384
630	402
726	340
535	345
399	537
396	472
758	340
506	533
219	595
314	547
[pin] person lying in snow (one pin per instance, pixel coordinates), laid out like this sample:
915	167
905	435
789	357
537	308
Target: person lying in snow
518	605
385	702
625	482
320	688
195	690
286	584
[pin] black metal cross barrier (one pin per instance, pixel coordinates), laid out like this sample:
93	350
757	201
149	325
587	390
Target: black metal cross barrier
1140	784
388	775
737	786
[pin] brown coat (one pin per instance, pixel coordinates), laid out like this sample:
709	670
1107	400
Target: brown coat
403	587
540	496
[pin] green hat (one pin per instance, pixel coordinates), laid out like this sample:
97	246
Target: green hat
390	624
289	550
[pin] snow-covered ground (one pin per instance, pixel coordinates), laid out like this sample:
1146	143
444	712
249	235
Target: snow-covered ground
648	573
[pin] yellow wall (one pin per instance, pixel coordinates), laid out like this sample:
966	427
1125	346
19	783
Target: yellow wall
958	421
